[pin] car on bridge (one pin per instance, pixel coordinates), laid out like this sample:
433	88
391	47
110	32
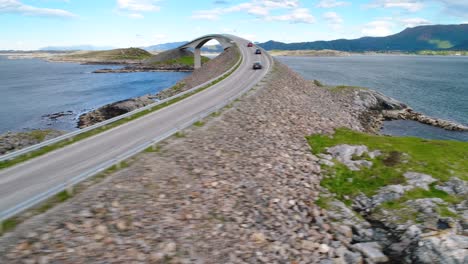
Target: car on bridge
258	51
257	65
250	44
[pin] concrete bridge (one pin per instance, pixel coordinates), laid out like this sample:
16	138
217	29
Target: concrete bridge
226	41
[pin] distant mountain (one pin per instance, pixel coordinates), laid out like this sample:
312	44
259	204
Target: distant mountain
77	47
166	46
461	46
434	37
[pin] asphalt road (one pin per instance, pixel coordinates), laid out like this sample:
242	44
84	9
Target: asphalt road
38	175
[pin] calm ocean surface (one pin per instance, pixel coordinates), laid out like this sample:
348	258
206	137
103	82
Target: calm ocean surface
31	88
434	85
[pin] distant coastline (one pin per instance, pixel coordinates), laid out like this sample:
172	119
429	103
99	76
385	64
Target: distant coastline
337	53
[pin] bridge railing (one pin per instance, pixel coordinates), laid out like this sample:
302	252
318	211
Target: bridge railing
119	159
70	135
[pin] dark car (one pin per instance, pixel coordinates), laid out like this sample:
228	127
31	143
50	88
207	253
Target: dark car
258	51
250	44
257	65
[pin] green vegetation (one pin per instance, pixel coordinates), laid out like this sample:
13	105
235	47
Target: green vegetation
324	202
8	225
341	88
441	44
46	149
440	159
58	198
185	61
199	124
443	52
116	54
156	149
179	135
318	83
409	40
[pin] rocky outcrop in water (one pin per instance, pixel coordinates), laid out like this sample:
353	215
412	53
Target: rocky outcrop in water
374	108
112	110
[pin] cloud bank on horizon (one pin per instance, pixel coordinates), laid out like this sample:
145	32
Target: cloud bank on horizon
31	24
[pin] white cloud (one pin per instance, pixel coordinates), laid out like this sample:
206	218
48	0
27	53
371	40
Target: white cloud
16	7
262	9
135	8
409	5
331	3
135	16
298	15
333	19
413	22
378	28
457	8
138	5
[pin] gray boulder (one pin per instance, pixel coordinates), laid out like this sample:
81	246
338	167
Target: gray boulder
347	155
418	180
372	251
445	248
454	186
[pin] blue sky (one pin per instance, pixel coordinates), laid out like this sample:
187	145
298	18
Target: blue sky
32	24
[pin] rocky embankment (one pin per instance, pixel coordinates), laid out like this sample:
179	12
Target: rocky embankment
210	70
241	189
372	108
12	141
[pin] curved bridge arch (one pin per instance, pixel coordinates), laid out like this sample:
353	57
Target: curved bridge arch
198	43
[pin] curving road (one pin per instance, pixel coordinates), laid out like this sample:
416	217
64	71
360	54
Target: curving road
36	176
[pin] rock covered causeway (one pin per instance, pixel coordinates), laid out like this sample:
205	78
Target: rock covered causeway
245	186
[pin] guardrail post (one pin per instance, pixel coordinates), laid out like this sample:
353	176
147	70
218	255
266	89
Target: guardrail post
154	146
118	165
70	189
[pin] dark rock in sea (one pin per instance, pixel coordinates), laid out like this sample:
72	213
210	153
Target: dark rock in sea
58	115
376	108
112	110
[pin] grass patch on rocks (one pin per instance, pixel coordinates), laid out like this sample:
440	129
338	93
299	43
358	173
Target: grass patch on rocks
343	88
115	54
438	158
185	60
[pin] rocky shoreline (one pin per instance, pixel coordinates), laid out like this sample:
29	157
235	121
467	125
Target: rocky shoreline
12	141
144	68
373	108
